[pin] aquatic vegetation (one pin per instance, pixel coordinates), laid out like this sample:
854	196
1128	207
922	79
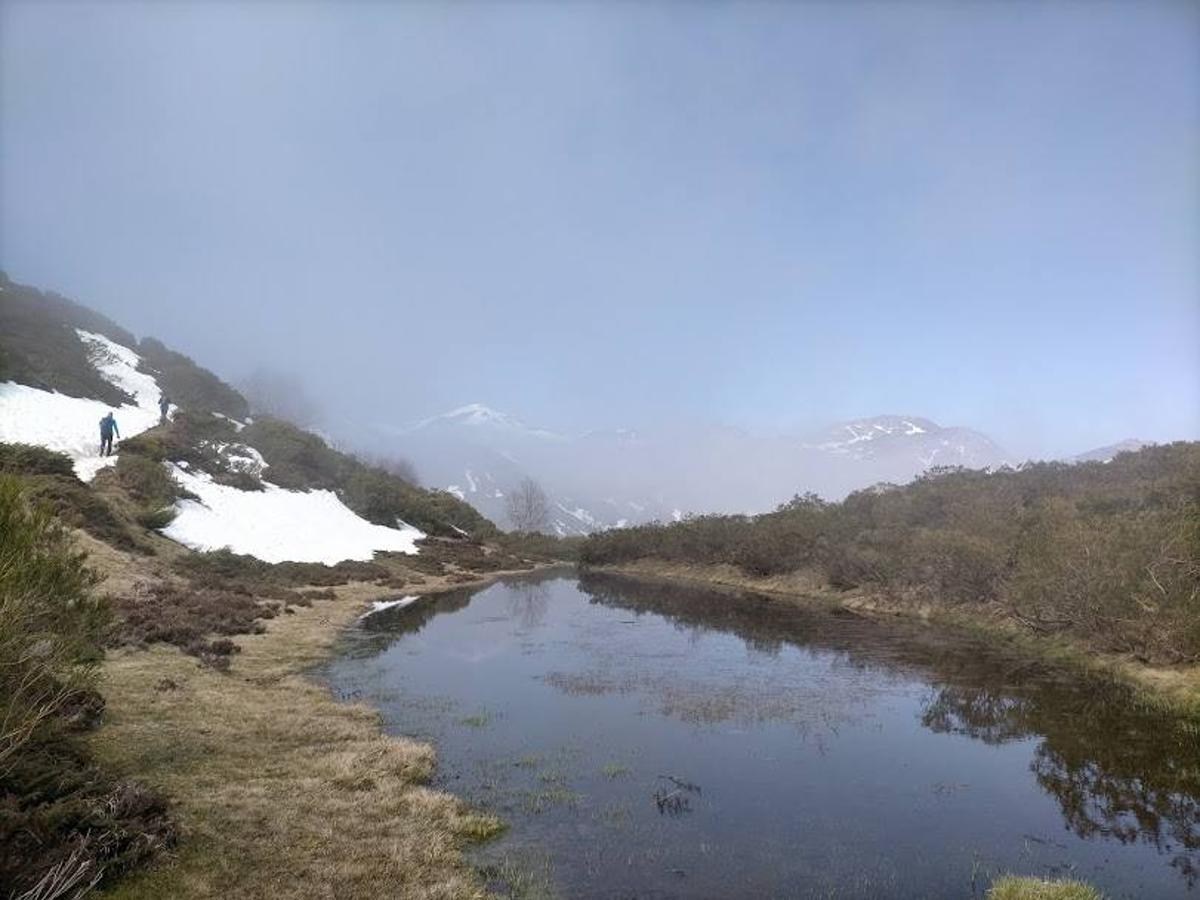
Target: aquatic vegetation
538	801
1011	887
519	877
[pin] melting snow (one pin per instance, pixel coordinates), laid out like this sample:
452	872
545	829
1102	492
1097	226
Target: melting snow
456	491
381	605
72	424
237	426
278	525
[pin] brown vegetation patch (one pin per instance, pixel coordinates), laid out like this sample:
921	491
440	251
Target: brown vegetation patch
283	791
187	618
63	818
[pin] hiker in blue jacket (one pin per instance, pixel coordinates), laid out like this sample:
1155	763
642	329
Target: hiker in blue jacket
108	427
164	404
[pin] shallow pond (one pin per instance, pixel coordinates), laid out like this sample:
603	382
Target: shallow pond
655	741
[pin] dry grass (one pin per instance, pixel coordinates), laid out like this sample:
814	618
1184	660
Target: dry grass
280	790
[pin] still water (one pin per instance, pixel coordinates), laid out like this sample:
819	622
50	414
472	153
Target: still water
656	741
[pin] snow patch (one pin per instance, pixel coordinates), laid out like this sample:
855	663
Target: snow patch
456	491
71	425
237	426
278	525
381	605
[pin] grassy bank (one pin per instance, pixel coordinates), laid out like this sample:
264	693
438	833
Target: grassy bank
1174	688
278	788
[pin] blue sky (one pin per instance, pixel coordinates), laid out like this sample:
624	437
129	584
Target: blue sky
764	215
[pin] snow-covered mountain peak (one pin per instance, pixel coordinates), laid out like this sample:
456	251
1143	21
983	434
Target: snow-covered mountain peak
857	431
477	415
908	445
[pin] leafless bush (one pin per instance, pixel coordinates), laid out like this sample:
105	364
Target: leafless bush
527	507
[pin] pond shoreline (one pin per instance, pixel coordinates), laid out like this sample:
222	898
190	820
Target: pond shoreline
1175	690
280	786
570	707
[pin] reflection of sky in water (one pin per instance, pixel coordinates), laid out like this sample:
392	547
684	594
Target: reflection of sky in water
828	752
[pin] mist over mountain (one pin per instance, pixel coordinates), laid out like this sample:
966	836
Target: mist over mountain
607	478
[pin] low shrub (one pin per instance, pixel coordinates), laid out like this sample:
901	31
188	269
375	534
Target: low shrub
186	618
63	822
28	459
66	824
224	570
147	480
77	505
51	625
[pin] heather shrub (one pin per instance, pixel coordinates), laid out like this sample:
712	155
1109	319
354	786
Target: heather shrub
51	625
29	459
1107	551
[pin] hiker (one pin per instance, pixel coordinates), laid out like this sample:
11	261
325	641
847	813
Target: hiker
108	427
164	404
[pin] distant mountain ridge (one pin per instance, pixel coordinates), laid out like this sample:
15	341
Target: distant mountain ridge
898	448
1109	451
608	478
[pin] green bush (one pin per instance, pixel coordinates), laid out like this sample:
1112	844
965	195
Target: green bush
27	459
59	813
51	626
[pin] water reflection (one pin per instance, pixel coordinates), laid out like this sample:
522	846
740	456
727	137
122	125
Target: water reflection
1118	770
837	753
527	603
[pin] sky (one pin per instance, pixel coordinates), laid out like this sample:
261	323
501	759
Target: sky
769	216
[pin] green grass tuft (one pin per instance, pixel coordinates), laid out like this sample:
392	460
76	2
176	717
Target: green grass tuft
1012	887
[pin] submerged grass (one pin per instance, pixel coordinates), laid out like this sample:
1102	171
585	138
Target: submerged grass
280	789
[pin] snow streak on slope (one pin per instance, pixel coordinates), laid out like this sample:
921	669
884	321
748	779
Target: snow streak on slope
278	525
71	424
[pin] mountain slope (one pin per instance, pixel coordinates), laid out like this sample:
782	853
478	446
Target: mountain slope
1107	453
265	487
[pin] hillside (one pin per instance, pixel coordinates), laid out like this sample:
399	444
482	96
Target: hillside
261	487
1106	553
118	639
